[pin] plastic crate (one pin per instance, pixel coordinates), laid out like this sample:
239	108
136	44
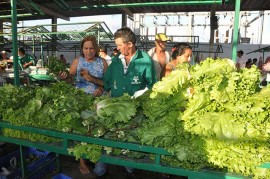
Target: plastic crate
61	176
5	160
44	157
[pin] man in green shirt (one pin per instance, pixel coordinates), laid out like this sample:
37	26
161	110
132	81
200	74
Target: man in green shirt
131	71
25	60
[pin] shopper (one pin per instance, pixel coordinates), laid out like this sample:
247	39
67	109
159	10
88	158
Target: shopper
81	70
63	59
159	54
115	52
103	54
181	54
241	61
87	65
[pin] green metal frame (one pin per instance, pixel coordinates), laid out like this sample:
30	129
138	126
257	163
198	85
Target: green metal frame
156	165
115	5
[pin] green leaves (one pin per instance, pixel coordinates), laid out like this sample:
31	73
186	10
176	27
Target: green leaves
113	110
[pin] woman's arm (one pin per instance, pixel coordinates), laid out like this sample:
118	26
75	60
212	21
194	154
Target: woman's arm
72	72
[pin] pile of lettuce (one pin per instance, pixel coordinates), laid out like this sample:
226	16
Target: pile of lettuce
57	107
208	116
215	117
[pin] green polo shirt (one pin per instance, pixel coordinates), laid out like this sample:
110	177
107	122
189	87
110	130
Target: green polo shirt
26	59
140	74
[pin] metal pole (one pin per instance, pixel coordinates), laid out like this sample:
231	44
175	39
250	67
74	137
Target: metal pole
235	29
262	23
190	2
14	42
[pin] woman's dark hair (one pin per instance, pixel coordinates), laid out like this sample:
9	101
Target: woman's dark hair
126	34
94	41
180	49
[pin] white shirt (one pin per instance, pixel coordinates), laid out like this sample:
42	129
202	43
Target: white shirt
242	62
125	65
108	59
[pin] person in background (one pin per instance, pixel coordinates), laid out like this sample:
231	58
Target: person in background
181	54
63	59
254	61
266	65
4	55
24	59
159	54
241	61
115	52
88	65
103	54
174	47
260	63
248	63
6	59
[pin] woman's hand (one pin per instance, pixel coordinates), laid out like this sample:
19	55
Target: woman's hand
62	75
98	92
85	74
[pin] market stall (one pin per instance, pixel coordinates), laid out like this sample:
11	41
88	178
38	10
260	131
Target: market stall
175	128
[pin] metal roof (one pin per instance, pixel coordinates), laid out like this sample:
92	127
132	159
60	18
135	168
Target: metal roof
44	9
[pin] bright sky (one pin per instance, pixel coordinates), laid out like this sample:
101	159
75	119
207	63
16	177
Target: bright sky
110	20
253	32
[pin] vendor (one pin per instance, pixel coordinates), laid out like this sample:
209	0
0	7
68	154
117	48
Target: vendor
6	60
25	60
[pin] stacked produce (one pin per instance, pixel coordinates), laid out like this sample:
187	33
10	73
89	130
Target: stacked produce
225	124
208	116
57	107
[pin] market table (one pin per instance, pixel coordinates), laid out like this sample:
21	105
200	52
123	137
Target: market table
155	165
7	77
40	76
41	79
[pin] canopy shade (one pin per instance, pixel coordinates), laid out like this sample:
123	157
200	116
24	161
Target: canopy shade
40	9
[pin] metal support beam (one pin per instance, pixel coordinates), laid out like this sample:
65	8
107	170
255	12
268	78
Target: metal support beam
19	15
44	10
125	10
65	4
235	29
54	13
212	30
124	20
13	4
36	7
190	2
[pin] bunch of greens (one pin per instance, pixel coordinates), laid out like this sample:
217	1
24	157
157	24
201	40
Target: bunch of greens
55	66
56	107
88	151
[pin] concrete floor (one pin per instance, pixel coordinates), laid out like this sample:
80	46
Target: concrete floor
69	167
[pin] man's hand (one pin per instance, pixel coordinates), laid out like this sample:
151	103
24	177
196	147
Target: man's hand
27	65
